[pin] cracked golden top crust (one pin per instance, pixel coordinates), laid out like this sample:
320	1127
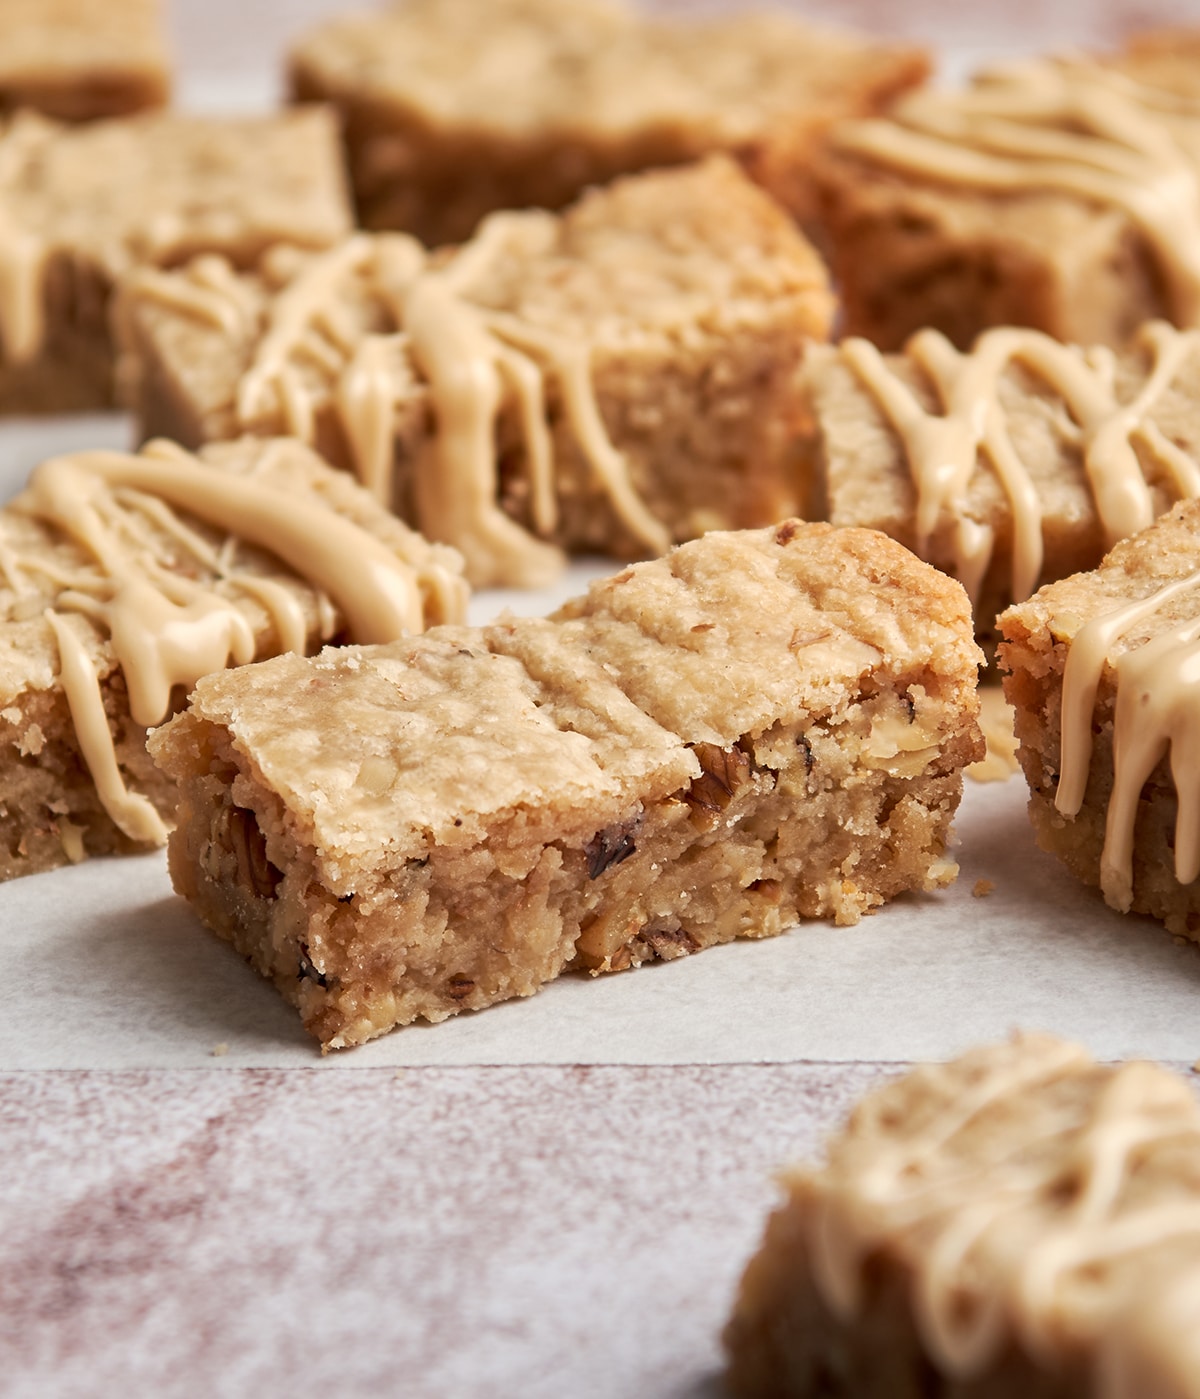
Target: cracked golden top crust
738	631
595	70
163	187
650	254
385	751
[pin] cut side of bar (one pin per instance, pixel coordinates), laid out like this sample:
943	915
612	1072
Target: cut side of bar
759	727
1102	677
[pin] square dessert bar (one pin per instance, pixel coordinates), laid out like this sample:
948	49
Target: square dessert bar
1063	195
1021	1220
76	59
453	109
125	578
1017	463
616	378
84	204
1103	677
759	727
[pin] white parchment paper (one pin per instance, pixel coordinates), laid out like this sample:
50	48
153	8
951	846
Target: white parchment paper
106	968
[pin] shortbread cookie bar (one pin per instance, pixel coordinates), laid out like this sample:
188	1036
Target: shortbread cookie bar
759	727
1020	1221
76	59
1103	678
84	204
453	110
617	378
1063	195
123	579
1015	464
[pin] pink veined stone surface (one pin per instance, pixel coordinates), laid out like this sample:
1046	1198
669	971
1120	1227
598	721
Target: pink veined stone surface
574	1233
565	1232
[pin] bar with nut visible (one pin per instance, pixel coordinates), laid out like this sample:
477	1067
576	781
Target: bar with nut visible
758	727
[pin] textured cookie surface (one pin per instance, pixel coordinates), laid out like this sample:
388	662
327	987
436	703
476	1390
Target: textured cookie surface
757	727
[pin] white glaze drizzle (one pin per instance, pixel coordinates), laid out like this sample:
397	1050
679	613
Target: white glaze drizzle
166	629
943	447
473	361
1157	711
1009	1239
1061	126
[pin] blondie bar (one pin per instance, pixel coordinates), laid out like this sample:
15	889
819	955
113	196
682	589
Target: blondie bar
616	378
1059	194
761	726
123	579
83	204
1015	464
76	59
1021	1221
453	109
1103	678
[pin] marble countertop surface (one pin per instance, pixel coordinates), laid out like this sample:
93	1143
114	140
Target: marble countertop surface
549	1230
450	1233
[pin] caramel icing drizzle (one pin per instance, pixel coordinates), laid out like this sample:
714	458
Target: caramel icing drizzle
1058	126
943	447
23	254
473	360
1012	1223
1157	711
166	628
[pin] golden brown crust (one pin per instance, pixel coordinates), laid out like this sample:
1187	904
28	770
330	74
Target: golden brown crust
757	727
1037	640
77	60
